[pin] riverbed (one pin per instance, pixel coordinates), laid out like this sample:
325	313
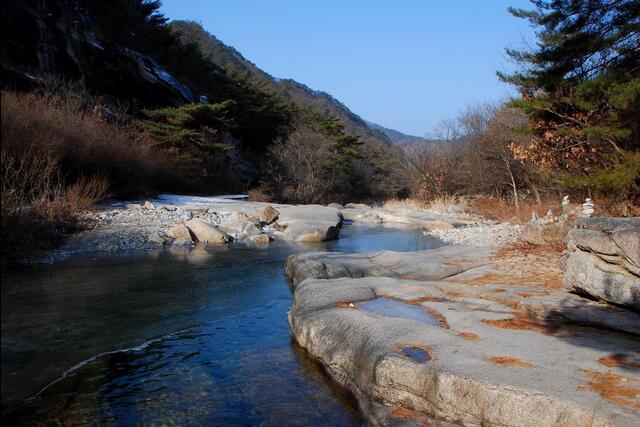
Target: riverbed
184	335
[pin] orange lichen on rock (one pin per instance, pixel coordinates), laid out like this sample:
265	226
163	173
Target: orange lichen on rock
343	304
409	414
414	300
442	321
610	387
468	336
486	279
619	361
404	413
519	322
455	294
509	361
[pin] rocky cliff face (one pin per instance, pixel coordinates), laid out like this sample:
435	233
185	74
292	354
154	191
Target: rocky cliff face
54	38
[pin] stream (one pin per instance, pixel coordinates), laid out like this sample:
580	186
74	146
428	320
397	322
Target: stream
184	336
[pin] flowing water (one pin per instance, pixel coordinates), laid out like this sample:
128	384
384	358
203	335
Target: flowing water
184	336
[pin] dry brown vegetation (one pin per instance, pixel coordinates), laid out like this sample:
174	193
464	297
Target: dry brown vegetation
475	157
58	158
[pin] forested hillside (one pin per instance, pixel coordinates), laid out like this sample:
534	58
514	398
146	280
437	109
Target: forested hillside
237	65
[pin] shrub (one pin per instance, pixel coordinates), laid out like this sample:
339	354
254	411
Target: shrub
57	158
38	209
82	143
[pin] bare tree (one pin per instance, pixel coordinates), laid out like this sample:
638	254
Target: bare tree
298	166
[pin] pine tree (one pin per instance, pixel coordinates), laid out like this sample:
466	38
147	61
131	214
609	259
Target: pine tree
580	88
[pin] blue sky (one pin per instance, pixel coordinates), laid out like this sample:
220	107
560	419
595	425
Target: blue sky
406	64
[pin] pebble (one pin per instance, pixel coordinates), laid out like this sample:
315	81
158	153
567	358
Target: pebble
480	235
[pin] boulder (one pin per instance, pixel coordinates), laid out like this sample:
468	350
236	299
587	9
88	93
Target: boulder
180	234
420	338
243	216
304	231
537	233
603	260
310	223
204	232
240	228
148	205
270	215
335	205
155	237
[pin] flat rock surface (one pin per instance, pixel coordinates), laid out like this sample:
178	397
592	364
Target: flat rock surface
488	338
310	223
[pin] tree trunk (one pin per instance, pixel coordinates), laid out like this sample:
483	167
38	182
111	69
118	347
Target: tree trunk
513	185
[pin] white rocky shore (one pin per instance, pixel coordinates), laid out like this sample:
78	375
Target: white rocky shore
473	336
176	220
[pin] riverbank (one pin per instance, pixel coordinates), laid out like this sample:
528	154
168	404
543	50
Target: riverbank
464	335
146	225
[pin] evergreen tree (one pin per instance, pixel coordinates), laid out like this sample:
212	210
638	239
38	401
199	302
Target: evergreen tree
580	88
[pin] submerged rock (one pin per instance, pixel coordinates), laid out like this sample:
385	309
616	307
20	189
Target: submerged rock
262	239
603	260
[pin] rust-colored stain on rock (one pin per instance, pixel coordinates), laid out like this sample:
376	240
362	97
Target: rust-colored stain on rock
620	361
519	322
509	361
437	315
468	336
343	304
408	414
613	387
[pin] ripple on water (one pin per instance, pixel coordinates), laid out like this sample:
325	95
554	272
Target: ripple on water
217	345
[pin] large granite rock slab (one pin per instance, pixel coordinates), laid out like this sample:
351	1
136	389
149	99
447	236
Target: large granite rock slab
603	260
310	223
423	265
490	345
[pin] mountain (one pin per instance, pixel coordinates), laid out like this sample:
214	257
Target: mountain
240	67
397	137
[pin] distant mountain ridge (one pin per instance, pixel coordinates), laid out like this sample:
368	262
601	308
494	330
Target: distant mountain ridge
235	63
397	137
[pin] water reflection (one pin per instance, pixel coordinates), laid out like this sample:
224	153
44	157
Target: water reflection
218	352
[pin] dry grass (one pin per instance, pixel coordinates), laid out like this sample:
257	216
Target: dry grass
500	209
394	203
57	158
449	204
37	206
82	142
259	194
